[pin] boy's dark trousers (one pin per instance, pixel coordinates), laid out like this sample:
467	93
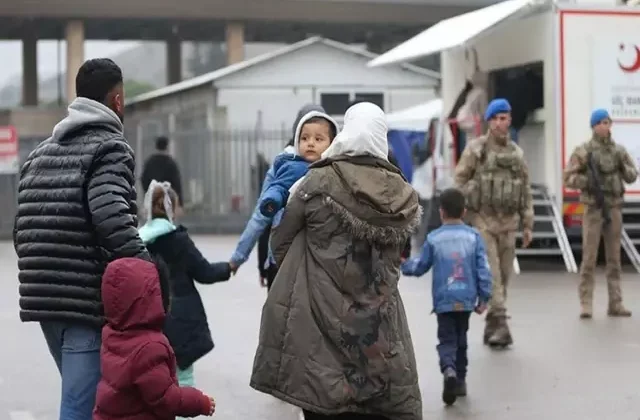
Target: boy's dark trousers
452	335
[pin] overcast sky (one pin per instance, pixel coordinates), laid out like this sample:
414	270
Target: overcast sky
48	56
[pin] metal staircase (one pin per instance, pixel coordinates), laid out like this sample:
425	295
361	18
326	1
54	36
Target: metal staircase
549	236
631	232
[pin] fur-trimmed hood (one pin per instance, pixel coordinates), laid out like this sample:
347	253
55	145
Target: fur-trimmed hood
369	195
335	302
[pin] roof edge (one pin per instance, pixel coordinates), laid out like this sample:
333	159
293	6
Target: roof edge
212	77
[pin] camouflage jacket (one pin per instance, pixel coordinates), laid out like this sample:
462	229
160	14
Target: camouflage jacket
334	335
470	172
615	167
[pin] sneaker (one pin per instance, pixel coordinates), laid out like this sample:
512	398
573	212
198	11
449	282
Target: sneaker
449	387
461	388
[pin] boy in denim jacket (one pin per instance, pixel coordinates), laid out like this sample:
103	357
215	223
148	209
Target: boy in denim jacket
461	284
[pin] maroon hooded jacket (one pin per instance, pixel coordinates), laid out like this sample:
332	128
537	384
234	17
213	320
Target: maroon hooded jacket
137	363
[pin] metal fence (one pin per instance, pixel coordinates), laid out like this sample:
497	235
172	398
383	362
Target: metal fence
9	189
220	172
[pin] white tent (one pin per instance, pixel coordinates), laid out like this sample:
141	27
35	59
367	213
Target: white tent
415	118
458	31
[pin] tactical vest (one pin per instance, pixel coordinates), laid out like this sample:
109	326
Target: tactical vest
498	182
608	163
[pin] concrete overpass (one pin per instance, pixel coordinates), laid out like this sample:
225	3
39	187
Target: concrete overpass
378	23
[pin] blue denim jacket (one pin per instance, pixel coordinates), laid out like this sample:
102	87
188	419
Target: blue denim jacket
461	275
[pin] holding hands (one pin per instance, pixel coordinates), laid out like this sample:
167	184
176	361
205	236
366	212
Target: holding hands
233	267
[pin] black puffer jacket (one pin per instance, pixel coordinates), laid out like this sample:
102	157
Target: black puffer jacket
76	213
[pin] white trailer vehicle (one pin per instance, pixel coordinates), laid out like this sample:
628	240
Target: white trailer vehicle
588	56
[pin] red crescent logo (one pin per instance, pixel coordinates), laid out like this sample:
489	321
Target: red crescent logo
636	64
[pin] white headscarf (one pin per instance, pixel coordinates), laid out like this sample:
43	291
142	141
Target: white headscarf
364	133
148	199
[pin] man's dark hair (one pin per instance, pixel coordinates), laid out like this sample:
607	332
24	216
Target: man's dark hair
332	128
452	203
96	78
162	143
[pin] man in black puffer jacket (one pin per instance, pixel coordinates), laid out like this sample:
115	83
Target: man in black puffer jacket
76	213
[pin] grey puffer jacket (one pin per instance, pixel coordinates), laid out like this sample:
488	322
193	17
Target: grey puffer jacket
334	336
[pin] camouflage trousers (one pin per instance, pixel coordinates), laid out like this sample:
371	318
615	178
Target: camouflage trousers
592	230
501	250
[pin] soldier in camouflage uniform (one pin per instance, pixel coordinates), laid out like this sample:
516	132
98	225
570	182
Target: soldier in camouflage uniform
495	179
615	167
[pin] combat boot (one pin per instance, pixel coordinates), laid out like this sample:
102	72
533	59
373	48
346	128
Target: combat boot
449	394
490	327
501	338
586	310
619	311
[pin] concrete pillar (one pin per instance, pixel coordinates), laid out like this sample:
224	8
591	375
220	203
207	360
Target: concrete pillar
235	42
174	59
74	34
30	70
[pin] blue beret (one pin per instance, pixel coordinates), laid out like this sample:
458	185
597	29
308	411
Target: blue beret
598	115
495	107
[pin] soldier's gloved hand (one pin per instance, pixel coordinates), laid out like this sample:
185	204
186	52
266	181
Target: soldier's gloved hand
527	237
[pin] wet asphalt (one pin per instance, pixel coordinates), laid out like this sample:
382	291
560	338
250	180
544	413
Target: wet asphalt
559	368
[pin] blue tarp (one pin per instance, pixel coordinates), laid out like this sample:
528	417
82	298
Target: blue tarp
407	128
402	143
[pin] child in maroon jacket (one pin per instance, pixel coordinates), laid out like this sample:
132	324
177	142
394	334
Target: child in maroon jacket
137	363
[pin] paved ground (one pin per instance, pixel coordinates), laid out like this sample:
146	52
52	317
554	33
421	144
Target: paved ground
559	369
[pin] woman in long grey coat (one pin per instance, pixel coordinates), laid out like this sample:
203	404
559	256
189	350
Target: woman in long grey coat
334	338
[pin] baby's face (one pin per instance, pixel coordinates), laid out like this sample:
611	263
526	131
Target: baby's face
315	138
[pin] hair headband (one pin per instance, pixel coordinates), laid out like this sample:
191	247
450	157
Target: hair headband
166	202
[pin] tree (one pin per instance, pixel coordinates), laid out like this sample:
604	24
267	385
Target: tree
134	88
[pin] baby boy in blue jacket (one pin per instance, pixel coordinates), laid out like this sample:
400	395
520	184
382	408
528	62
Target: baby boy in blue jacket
461	284
314	135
